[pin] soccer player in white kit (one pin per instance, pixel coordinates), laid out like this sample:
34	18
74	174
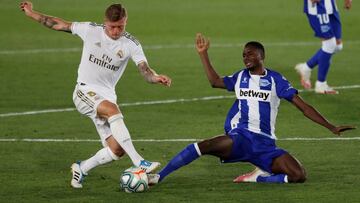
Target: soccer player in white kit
106	51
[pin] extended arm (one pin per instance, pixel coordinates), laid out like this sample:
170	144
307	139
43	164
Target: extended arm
48	21
151	76
315	116
202	45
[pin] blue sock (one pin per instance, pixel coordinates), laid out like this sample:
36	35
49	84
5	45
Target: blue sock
324	65
314	60
278	178
185	157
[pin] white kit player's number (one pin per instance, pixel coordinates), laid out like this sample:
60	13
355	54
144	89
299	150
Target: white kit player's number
323	18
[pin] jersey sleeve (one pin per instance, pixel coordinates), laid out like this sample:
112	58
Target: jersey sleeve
284	89
230	81
137	54
80	29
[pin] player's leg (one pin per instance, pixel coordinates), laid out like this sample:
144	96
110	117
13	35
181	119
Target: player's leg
86	102
111	151
327	50
337	29
304	69
290	166
219	146
284	169
328	33
111	112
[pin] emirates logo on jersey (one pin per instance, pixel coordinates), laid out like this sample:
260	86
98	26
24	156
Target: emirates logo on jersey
120	53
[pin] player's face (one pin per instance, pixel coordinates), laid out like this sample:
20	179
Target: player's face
252	58
115	29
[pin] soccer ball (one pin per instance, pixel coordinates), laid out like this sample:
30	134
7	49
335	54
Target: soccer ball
134	179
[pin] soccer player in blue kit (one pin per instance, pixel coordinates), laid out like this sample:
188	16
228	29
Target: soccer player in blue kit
324	19
250	124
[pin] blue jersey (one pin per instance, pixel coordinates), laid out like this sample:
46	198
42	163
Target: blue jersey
322	7
258	99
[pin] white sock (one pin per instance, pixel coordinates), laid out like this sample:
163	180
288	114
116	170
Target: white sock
122	136
103	156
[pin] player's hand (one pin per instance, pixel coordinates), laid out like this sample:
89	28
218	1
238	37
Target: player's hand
27	7
162	79
315	1
202	44
339	129
347	4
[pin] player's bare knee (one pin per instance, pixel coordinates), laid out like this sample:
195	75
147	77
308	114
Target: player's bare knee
107	109
119	152
298	176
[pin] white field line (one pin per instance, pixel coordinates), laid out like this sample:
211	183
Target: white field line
169	101
174	140
169	46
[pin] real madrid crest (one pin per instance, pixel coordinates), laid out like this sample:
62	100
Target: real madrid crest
120	53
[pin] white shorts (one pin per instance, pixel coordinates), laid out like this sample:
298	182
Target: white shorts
86	100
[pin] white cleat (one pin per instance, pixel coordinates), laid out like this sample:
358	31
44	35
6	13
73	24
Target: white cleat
77	175
305	73
324	88
153	179
148	166
250	177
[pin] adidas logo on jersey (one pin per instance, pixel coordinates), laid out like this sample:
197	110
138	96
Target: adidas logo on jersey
260	95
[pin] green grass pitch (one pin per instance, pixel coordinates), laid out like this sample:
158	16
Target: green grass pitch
38	71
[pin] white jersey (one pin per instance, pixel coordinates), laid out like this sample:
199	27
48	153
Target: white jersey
103	59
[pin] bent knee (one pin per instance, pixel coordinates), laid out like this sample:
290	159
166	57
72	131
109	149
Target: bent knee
119	152
297	177
107	109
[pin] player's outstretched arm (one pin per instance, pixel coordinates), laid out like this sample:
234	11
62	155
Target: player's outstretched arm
151	76
48	21
315	116
202	45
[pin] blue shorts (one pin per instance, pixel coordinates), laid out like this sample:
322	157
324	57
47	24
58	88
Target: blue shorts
254	148
326	26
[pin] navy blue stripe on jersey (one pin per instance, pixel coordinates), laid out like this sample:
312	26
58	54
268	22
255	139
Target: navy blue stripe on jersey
230	81
265	83
244	84
284	90
232	112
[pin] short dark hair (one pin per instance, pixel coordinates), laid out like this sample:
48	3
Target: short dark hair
115	12
258	46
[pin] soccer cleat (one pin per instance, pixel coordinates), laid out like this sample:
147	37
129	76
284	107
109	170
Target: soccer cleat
305	72
153	179
77	175
250	177
324	88
148	166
